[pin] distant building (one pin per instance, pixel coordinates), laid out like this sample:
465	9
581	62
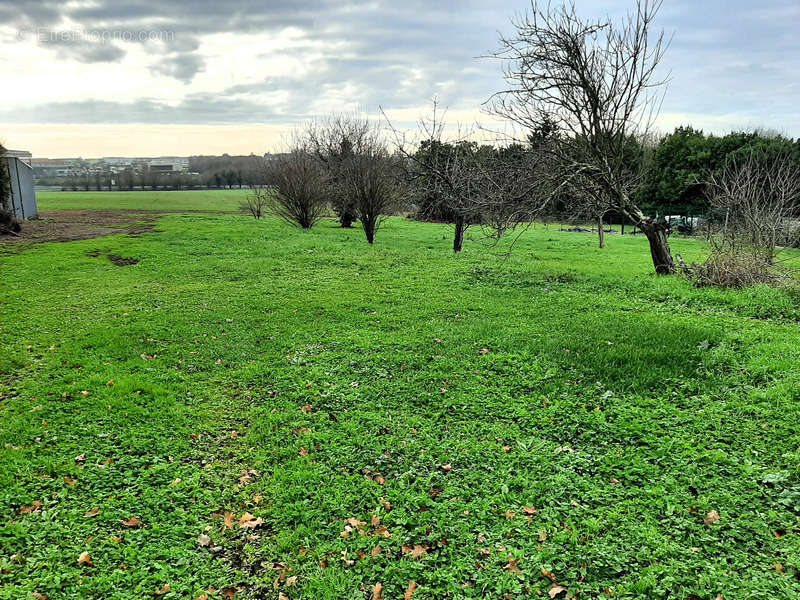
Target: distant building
168	165
55	167
23	197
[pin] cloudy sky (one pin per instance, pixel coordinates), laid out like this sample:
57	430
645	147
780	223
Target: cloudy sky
159	77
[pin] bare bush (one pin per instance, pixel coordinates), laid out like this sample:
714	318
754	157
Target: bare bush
297	184
756	195
257	201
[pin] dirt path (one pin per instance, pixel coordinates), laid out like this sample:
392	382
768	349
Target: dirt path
71	225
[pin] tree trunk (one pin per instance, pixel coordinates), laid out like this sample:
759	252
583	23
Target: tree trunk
600	231
659	247
458	240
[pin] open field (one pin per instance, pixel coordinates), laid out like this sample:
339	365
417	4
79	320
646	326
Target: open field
189	200
334	416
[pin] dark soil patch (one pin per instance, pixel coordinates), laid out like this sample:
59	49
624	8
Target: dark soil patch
71	225
122	261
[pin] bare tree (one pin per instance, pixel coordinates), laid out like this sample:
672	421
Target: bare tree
257	201
297	184
594	81
466	183
334	140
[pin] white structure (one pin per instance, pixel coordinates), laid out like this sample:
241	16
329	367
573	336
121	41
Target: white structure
23	198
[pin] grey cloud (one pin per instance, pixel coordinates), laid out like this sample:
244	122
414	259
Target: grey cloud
726	56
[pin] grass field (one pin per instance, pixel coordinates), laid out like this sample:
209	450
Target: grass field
275	413
189	200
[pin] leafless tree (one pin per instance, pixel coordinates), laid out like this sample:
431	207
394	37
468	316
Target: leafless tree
595	82
334	140
467	183
297	183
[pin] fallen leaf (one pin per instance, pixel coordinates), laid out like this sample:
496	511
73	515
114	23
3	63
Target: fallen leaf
133	522
69	481
419	551
529	510
711	518
382	531
375	520
39	596
550	576
84	393
228	592
163	590
380	480
202	597
614	480
447	468
506	448
303	451
484	351
307	408
291	581
309	384
513	566
203	540
92	513
250	521
80	458
410	590
510	515
555	590
779	568
110	383
377	591
85	559
228	520
31	508
376	551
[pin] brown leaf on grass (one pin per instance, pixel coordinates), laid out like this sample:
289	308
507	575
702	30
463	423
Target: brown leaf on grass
447	468
291	581
85	559
484	351
30	508
412	586
513	566
510	515
69	481
228	520
779	568
529	510
257	498
228	592
506	448
303	451
555	590
383	532
203	596
306	408
84	393
133	522
38	596
542	535
163	590
375	520
203	540
92	513
250	521
550	576
376	551
419	551
377	591
282	596
711	518
379	480
80	458
110	383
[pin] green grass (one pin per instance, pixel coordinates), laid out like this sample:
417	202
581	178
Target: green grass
187	200
622	406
